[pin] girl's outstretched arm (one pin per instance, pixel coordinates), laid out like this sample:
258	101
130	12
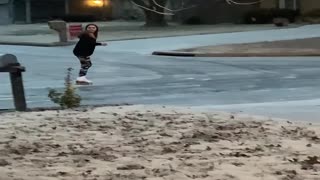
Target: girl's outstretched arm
100	44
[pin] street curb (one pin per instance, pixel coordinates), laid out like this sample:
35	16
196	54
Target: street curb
53	44
173	53
191	54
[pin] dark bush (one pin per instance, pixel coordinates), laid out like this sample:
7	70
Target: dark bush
265	16
77	18
258	16
313	13
286	13
194	20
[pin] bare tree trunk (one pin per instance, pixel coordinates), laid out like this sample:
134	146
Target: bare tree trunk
154	19
153	11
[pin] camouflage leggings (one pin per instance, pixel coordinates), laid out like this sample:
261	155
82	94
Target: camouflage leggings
85	65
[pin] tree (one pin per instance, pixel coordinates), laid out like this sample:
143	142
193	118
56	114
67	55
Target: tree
68	98
156	10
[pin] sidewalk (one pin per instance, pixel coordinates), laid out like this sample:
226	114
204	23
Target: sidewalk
41	35
297	47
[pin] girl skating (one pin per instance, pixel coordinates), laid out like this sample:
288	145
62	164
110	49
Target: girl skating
84	49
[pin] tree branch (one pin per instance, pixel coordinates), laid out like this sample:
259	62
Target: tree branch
152	10
141	2
172	10
239	3
148	7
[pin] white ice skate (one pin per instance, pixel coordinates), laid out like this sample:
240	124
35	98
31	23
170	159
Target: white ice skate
82	80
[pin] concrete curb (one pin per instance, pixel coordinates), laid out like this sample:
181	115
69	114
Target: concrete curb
52	44
230	54
173	53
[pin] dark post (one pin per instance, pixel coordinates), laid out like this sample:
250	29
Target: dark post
18	91
9	63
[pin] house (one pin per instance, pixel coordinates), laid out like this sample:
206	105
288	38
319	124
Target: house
5	12
304	6
31	11
205	11
211	12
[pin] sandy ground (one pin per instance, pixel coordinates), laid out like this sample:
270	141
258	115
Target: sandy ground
309	46
155	143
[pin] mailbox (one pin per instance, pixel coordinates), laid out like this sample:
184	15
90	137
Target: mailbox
74	30
61	28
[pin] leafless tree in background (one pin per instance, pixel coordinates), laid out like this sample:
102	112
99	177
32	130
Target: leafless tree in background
156	10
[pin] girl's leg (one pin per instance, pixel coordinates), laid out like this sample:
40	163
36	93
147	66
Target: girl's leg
85	65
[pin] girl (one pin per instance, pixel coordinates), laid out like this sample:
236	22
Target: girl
84	49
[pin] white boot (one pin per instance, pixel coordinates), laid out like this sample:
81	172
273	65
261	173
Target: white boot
83	79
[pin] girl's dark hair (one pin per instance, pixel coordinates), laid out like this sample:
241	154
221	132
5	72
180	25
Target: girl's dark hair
95	33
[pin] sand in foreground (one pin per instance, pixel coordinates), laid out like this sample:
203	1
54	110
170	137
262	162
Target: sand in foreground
155	143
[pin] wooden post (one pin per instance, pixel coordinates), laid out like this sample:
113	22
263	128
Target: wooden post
10	64
18	91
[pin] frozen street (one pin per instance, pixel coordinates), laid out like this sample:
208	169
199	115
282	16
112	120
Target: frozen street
125	72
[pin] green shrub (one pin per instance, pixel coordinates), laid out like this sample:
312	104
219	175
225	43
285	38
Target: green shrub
67	99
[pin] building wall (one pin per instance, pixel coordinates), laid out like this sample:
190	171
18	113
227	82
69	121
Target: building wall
5	12
79	7
44	10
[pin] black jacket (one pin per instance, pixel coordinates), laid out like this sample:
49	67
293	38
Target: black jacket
85	46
